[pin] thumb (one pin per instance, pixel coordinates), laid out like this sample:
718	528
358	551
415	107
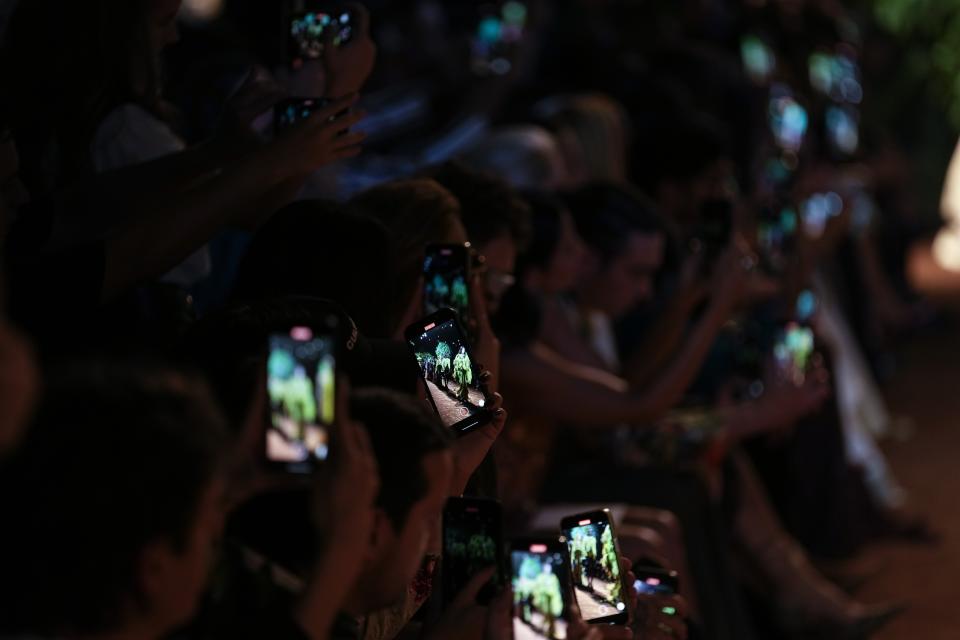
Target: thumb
468	595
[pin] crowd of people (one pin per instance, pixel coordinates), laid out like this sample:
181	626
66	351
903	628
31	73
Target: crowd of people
674	234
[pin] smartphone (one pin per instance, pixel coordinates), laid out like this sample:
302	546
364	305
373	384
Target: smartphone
655	581
594	557
446	279
500	28
449	371
301	388
794	352
541	588
788	119
291	111
308	29
472	542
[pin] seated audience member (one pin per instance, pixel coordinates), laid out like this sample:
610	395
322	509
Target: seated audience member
496	219
418	474
97	463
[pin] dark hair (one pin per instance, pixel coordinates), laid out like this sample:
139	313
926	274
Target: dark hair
416	213
679	149
403	430
66	65
606	215
118	457
489	207
517	322
325	250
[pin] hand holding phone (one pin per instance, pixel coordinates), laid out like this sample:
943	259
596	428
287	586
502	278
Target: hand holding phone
599	585
449	371
320	139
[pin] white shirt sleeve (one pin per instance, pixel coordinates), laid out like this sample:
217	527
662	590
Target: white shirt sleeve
131	135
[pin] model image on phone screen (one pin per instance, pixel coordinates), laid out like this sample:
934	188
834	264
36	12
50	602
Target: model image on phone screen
445	277
595	568
540	586
301	385
472	542
451	376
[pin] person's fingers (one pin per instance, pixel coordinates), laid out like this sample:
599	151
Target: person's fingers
347	152
352	139
495	402
468	595
344	122
323	116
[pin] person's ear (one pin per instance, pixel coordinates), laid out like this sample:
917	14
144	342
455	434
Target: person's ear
382	537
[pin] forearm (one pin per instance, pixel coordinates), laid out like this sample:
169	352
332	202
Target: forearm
746	420
674	381
168	230
663	339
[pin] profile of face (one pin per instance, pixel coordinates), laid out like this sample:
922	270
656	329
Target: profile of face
398	555
174	578
626	280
